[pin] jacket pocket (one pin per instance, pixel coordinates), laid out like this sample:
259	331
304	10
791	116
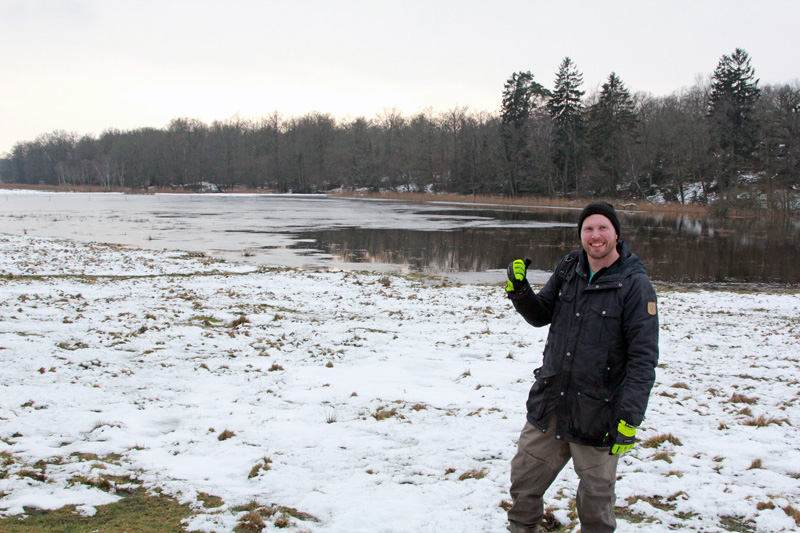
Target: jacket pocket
603	325
590	416
537	397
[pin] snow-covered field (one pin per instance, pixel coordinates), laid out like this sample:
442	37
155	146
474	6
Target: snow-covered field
368	402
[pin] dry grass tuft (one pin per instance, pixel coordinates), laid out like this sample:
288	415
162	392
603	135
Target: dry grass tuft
664	456
263	465
225	435
658	440
741	398
382	413
764	421
209	501
238	322
473	474
792	513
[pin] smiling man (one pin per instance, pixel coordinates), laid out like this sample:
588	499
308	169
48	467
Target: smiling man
591	392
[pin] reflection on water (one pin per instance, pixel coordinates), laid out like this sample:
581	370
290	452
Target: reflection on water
434	238
680	250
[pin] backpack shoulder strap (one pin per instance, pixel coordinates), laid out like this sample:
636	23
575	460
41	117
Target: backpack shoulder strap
567	264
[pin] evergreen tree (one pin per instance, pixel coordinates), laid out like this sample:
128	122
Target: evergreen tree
731	112
521	96
612	121
734	93
567	110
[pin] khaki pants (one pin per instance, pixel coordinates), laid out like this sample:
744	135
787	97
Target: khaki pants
539	459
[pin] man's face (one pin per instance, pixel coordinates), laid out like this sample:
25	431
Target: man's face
598	237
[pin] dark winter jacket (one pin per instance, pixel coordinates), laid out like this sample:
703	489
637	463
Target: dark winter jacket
601	351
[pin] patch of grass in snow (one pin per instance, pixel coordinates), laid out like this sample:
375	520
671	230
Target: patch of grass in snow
663	504
77	345
108	483
239	321
205	321
256	516
763	421
113	458
658	440
331	415
741	398
792	513
262	465
756	465
139	511
383	412
225	435
210	501
664	456
473	474
551	524
737	523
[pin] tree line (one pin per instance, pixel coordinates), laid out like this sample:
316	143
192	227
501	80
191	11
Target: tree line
556	142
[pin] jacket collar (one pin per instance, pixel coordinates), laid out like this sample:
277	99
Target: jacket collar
627	264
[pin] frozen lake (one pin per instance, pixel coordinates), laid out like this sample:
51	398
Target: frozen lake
464	242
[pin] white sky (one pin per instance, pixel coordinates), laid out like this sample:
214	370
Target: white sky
89	65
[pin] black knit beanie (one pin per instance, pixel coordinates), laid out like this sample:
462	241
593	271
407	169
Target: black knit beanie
599	208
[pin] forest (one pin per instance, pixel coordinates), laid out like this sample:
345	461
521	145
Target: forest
728	140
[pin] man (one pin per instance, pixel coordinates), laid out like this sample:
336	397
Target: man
599	363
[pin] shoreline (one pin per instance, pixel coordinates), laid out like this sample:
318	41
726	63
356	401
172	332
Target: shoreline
531	202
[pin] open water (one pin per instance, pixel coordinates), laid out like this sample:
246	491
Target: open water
460	241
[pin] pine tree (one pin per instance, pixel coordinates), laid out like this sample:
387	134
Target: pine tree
567	110
612	121
734	94
521	97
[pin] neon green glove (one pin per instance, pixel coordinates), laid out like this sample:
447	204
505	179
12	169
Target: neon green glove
624	439
516	274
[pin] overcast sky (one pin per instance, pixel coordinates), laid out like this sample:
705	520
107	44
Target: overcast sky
90	65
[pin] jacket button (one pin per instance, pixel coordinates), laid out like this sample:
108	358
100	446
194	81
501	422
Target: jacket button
604	312
568	354
577	314
558	437
562	393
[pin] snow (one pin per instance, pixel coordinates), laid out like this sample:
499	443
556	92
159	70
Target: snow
365	397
